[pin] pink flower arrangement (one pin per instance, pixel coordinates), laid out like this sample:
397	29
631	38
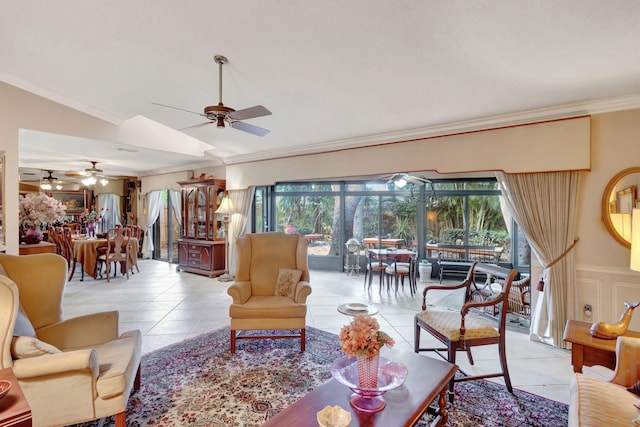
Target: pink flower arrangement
363	337
39	210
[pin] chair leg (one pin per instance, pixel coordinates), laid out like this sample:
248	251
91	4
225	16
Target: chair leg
121	419
73	270
303	339
233	341
503	362
469	356
451	356
416	338
137	380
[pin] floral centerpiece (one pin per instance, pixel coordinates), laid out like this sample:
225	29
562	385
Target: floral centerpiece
89	218
89	215
363	339
36	213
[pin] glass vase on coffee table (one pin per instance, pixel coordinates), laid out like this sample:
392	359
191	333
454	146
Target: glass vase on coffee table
390	375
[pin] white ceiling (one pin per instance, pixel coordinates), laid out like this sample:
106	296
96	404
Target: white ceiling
333	73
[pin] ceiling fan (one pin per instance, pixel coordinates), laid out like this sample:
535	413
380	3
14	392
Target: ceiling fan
402	179
219	114
48	182
90	175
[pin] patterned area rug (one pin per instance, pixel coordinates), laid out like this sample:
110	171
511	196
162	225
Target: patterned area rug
198	383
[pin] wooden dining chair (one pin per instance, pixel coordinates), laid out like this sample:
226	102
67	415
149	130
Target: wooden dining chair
134	232
117	251
65	239
459	330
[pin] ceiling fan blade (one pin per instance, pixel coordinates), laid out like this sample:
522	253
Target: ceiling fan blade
246	127
75	174
180	109
249	113
197	126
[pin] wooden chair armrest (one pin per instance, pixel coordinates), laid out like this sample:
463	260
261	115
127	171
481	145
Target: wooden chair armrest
460	285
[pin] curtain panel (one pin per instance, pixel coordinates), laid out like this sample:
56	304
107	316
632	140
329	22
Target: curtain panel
154	203
544	206
242	201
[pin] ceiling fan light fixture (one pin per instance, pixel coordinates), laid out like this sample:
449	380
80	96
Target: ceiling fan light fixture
58	187
220	122
89	181
45	186
400	182
104	182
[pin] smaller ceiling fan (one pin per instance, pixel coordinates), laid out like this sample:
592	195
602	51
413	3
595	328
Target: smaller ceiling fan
91	175
219	114
50	182
402	179
92	171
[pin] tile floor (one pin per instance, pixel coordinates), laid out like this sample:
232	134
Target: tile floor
169	307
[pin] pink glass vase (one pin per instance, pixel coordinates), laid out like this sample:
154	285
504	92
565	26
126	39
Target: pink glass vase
368	371
33	235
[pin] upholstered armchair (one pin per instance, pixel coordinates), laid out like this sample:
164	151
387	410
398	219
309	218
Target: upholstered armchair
71	370
271	287
604	397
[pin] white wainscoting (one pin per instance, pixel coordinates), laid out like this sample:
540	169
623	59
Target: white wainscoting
606	290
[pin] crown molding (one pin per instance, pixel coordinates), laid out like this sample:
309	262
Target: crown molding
498	121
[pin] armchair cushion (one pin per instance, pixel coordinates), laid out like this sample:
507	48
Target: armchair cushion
25	347
23	326
266	307
287	281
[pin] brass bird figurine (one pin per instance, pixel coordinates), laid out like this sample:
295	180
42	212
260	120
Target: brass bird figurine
611	331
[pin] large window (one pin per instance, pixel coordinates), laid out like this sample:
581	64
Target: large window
462	212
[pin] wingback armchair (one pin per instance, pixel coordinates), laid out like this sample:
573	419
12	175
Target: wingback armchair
71	370
271	287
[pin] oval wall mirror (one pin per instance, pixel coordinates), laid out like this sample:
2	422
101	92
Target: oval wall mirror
618	201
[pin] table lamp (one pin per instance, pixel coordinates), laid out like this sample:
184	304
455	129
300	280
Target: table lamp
226	208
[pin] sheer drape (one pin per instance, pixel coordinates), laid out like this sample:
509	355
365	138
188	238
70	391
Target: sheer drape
108	207
154	204
176	204
544	206
242	200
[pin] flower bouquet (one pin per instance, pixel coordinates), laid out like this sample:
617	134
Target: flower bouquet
37	212
363	339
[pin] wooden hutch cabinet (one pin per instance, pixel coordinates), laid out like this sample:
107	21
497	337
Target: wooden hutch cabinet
201	247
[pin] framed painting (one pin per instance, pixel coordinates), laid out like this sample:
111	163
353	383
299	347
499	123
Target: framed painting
75	201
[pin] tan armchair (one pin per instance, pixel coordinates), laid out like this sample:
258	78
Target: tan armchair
76	370
599	397
255	303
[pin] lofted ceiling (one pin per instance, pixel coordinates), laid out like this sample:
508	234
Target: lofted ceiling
334	74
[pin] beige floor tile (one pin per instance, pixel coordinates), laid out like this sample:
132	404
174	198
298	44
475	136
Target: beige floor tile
169	307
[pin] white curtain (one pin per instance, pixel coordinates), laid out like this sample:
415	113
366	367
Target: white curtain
242	200
176	204
108	209
154	204
544	206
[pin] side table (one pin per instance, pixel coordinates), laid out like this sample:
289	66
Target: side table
14	409
37	248
587	350
361	309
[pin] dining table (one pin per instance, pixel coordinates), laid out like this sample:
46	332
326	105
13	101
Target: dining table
85	251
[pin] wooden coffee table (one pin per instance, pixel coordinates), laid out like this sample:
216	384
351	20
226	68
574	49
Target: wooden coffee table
587	350
427	381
